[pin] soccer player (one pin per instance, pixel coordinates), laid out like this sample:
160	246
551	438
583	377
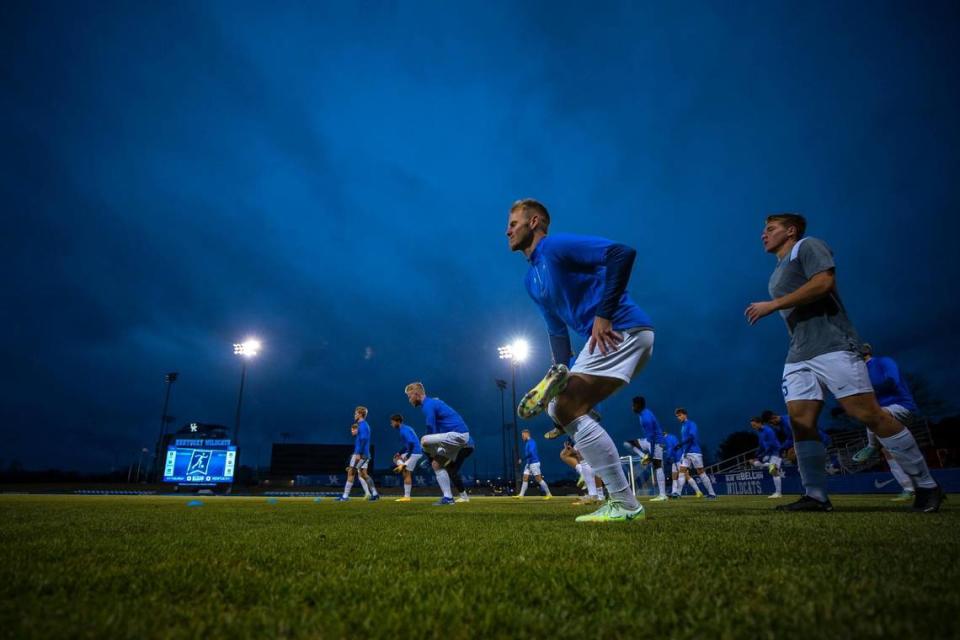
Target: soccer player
580	282
783	430
359	460
570	456
825	354
768	453
408	456
447	433
532	467
692	457
453	470
653	435
894	397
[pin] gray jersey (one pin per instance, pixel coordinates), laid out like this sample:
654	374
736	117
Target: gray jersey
821	326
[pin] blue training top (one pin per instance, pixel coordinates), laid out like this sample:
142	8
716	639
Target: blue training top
769	443
441	418
361	445
689	442
409	441
670	446
530	451
573	279
888	384
651	428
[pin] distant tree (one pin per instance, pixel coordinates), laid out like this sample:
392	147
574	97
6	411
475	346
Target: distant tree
737	443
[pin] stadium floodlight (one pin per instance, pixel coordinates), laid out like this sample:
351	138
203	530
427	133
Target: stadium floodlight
517	351
249	348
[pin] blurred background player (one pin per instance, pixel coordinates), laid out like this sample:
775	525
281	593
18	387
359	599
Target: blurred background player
580	282
594	487
894	397
532	468
671	455
824	353
768	453
692	457
358	462
408	456
781	426
653	435
447	433
453	470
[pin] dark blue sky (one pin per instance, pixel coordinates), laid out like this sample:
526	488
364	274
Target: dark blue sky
334	178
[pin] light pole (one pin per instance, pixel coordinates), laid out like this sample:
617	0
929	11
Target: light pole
169	378
516	352
140	462
502	385
246	350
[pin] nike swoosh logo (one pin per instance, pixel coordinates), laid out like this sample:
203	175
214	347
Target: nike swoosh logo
881	485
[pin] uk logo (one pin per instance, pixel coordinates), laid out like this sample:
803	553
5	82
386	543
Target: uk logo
199	461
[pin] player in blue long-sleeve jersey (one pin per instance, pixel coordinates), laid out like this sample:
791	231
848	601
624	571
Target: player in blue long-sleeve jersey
532	461
768	452
408	456
671	456
446	435
692	454
360	458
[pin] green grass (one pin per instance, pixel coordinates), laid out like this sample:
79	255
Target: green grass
131	567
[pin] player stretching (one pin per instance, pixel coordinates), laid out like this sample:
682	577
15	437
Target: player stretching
532	467
453	470
360	459
447	433
580	282
408	456
653	435
768	453
692	457
894	397
824	354
571	457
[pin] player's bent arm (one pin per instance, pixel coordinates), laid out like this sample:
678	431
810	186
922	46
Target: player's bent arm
815	288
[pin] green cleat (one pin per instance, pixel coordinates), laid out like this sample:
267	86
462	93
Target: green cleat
659	499
906	496
864	454
613	511
536	400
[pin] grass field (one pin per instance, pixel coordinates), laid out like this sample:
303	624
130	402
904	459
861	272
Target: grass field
130	567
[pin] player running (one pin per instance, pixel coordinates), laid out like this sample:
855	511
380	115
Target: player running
692	454
580	282
894	397
532	467
447	433
409	455
768	453
825	354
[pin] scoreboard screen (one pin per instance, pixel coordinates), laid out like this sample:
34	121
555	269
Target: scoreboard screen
199	461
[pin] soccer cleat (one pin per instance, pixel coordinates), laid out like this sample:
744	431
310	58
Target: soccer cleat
613	511
461	499
659	499
645	459
928	500
581	483
549	496
772	468
806	503
699	494
516	497
864	454
535	401
712	496
905	496
443	502
399	468
554	433
775	495
404	499
373	498
342	499
582	500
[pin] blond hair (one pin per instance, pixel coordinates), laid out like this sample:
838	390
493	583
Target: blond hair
362	411
531	207
415	386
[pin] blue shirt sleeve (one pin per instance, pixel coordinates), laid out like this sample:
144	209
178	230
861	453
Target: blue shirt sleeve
591	252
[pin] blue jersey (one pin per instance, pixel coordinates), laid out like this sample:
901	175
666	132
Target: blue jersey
409	441
769	443
787	433
530	452
670	447
441	418
689	441
651	428
361	444
888	384
824	437
569	281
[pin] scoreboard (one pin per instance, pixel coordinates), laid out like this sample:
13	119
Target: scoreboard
200	461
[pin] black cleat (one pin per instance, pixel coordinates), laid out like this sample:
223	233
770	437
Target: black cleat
806	503
928	500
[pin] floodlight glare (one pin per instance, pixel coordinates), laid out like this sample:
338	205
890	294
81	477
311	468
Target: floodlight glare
521	349
248	348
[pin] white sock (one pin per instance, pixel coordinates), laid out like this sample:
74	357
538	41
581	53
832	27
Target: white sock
463	494
705	479
904	450
443	479
544	487
600	493
871	439
661	482
346	488
373	488
693	483
598	449
588	478
523	487
901	477
777	483
366	489
676	487
406	489
811	460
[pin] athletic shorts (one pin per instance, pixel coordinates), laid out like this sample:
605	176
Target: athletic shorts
630	356
532	469
357	462
411	462
842	373
777	461
657	449
445	445
692	461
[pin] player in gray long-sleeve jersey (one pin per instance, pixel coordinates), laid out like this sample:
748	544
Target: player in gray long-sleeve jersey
825	354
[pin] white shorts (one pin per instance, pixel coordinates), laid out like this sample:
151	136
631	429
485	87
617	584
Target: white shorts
777	461
692	461
411	462
445	445
357	462
674	469
842	373
532	469
630	356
